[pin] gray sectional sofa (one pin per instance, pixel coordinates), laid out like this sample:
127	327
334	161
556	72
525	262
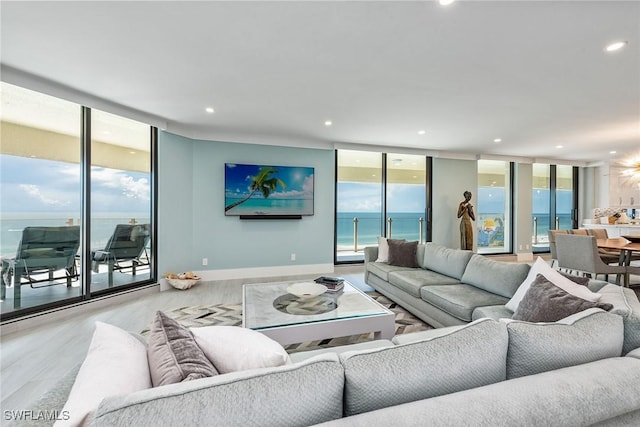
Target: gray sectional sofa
485	373
453	287
448	286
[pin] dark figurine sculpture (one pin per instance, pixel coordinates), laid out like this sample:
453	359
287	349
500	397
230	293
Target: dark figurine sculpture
465	211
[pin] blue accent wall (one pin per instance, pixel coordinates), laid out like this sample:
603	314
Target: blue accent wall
192	224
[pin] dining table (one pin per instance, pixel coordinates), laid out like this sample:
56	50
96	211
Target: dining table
626	248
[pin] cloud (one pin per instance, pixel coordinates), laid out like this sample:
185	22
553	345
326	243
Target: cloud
129	186
33	191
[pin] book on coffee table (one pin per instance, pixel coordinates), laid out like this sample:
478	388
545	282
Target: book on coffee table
333	284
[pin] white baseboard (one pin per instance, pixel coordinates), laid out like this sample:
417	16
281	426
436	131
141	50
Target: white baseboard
254	272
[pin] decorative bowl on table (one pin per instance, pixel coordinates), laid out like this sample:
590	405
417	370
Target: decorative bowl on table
305	290
182	280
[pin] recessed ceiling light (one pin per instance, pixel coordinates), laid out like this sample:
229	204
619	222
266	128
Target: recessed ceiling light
616	46
613	152
445	2
422	132
559	146
328	123
497	140
209	110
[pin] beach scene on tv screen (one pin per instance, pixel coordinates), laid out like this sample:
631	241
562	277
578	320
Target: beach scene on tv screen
268	190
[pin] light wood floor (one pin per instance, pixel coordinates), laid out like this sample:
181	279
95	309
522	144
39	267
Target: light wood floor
33	360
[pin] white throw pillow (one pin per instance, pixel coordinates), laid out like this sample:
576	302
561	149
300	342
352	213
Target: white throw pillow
232	348
541	267
116	363
383	250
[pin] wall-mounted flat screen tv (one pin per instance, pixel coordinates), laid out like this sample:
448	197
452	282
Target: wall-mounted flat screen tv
267	191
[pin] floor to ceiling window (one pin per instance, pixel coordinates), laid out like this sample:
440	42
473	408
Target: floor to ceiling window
358	203
40	194
565	195
554	201
405	196
378	194
541	207
69	231
120	200
494	206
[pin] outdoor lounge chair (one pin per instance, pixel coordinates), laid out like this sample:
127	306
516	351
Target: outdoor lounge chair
41	250
124	249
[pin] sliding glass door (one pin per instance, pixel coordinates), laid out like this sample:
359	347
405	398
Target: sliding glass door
554	202
67	230
120	201
406	201
40	195
359	217
494	206
378	194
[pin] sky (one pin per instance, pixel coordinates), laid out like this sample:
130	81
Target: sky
298	181
39	185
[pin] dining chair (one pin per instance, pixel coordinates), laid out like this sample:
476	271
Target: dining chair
610	256
552	244
580	253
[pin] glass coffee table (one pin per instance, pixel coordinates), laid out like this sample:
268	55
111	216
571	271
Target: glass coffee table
270	309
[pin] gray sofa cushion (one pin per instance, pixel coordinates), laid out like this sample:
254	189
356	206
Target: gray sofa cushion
583	337
307	393
412	280
492	312
471	356
459	300
502	278
447	261
576	396
382	269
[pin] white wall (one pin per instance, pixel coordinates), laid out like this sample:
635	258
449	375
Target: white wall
451	178
523	211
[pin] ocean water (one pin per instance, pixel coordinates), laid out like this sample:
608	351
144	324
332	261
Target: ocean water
404	226
490	228
101	226
271	206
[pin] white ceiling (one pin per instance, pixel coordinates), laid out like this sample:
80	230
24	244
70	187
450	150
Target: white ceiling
533	73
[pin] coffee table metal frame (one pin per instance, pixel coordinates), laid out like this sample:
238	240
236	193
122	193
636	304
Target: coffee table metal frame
290	328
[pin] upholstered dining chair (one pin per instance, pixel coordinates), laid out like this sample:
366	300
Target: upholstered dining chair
580	253
552	244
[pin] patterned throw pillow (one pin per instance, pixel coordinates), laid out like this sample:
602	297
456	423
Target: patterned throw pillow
174	355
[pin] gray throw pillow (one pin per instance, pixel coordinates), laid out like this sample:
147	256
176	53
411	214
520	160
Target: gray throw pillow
403	254
174	355
584	281
545	302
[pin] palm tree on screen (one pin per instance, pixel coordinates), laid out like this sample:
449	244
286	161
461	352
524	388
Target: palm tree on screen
263	181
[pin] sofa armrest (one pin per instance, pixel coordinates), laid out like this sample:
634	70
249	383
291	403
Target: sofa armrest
634	353
370	254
